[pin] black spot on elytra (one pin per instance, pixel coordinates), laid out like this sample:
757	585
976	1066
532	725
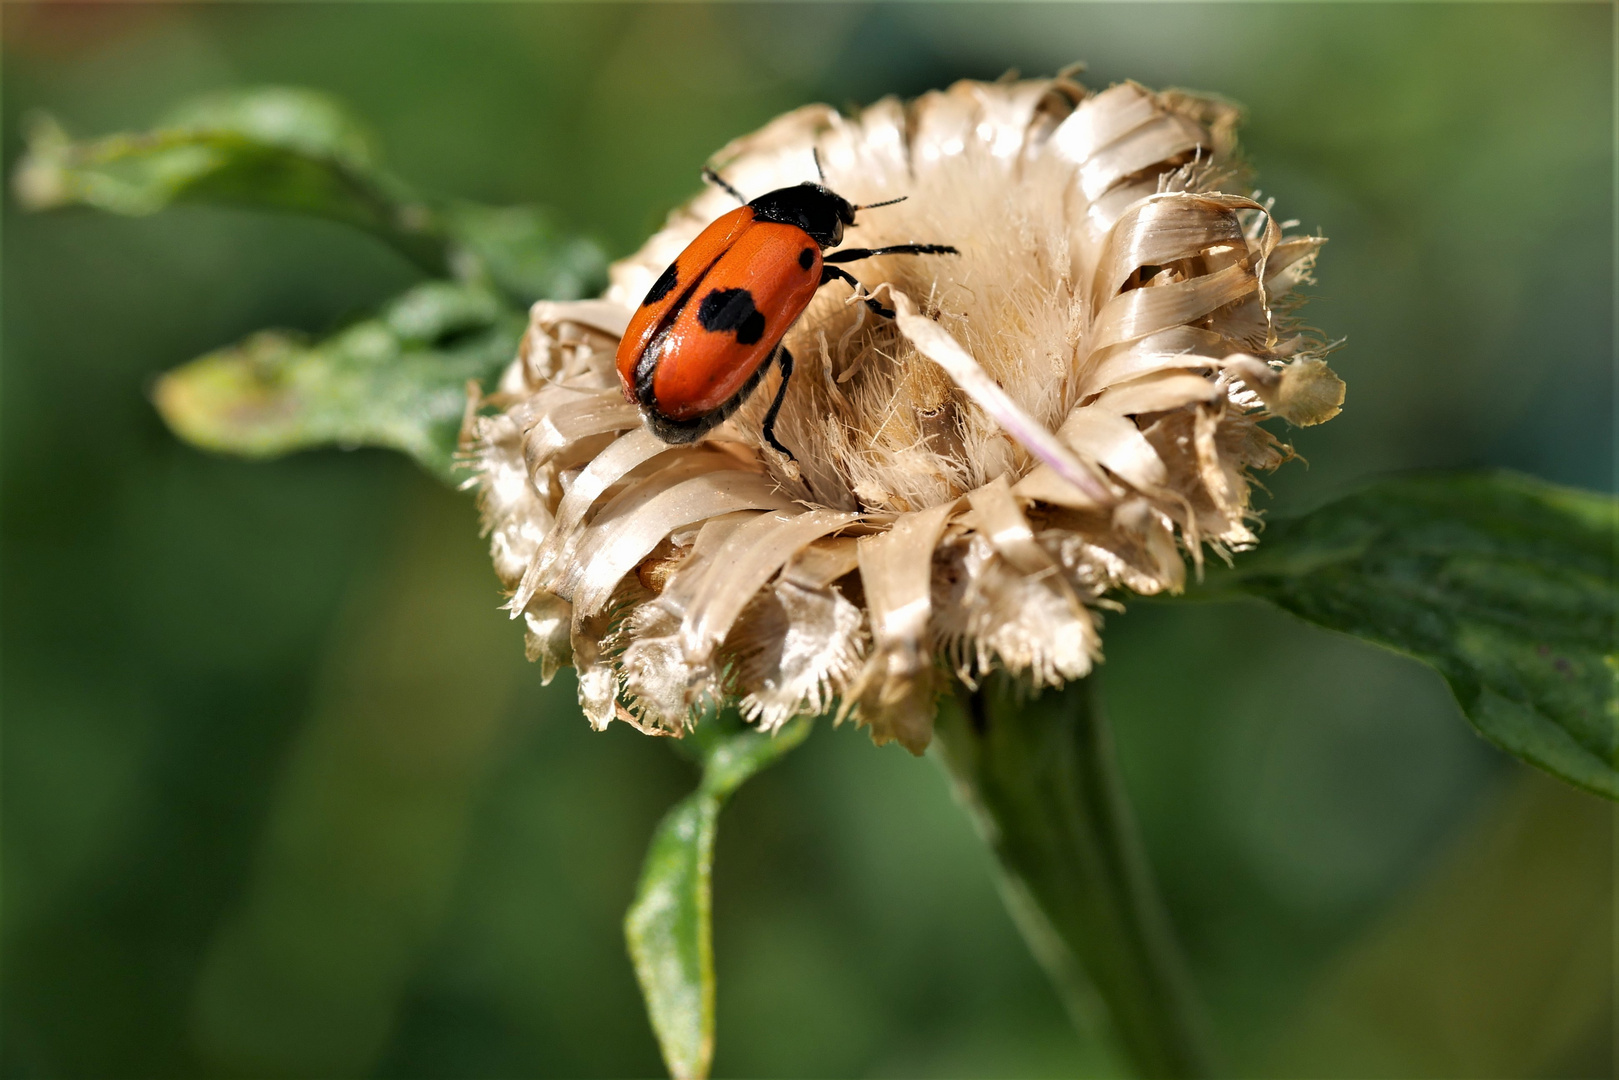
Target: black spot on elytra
806	258
660	288
732	309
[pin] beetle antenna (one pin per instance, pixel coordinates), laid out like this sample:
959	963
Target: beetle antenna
815	152
719	181
886	202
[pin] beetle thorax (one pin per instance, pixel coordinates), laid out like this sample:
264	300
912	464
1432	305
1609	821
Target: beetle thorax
817	210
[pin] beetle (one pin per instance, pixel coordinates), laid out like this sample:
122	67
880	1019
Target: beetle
713	322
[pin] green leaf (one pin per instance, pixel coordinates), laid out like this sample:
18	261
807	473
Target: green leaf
298	119
270	147
398	380
521	251
1504	583
669	924
283	148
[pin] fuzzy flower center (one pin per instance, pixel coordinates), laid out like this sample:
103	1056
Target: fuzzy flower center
875	425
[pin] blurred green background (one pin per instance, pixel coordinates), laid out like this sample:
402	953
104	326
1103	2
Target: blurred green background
281	796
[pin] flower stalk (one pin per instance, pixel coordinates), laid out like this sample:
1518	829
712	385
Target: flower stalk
1038	776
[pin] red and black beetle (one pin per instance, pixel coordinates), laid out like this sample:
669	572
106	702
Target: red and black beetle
712	322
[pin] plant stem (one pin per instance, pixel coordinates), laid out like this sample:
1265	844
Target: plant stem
1039	777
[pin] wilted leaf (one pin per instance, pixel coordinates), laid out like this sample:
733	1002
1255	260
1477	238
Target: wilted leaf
283	148
397	381
1504	583
669	925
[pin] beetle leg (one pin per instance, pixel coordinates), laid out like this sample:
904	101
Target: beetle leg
834	273
785	360
851	254
719	181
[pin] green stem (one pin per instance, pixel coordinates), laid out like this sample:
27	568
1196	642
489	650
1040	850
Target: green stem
1039	777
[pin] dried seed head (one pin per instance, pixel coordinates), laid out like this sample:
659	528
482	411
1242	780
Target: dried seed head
1070	406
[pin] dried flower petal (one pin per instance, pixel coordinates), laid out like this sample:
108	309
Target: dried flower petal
801	648
1304	392
750	558
895	692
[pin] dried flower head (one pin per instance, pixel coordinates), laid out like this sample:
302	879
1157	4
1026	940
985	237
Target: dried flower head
1070	406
